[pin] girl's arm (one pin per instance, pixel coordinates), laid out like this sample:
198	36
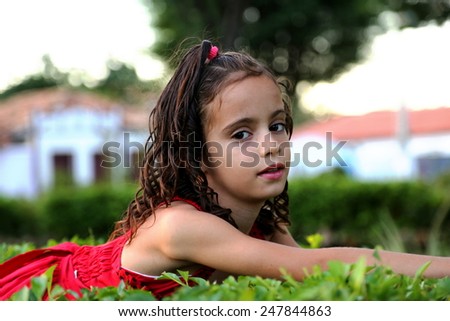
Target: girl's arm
284	238
206	239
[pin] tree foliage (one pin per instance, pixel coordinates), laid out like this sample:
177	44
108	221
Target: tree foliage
304	40
50	77
121	82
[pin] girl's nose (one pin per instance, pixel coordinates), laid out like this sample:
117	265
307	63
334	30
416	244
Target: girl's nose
268	145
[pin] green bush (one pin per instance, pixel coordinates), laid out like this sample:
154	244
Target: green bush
352	211
18	217
340	282
343	282
344	211
85	211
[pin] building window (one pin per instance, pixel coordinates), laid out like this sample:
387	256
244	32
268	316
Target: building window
430	167
63	170
102	173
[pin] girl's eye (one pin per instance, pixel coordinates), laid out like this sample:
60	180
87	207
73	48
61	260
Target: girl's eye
241	135
278	127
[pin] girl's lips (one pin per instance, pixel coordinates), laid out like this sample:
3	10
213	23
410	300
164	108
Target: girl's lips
272	172
272	175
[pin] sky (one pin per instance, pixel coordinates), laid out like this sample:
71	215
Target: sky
76	34
403	68
408	68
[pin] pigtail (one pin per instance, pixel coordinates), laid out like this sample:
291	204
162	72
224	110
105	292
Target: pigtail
192	183
175	124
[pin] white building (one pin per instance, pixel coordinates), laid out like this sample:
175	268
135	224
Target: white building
378	146
54	136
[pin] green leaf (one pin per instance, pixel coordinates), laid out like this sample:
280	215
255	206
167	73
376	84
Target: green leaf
421	270
21	295
184	276
338	269
314	240
49	276
171	276
39	286
376	253
357	274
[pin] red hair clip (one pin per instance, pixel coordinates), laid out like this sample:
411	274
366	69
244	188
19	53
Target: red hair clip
213	53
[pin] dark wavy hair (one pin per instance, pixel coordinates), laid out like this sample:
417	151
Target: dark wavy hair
175	147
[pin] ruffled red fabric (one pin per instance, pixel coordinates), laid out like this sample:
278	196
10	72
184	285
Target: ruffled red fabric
160	288
78	267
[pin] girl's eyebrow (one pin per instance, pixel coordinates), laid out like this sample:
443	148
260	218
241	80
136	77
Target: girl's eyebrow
238	123
278	112
249	120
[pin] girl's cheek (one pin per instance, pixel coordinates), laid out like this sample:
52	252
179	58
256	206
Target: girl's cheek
285	149
213	160
248	156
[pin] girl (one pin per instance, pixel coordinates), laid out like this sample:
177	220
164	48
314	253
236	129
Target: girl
213	192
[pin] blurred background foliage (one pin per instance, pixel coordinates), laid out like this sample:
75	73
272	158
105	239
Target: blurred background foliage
304	40
404	216
308	40
121	83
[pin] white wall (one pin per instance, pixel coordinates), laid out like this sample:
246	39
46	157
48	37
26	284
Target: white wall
315	154
77	131
376	159
27	168
438	143
17	174
382	159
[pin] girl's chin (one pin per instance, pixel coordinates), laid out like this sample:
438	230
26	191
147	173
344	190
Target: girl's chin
272	193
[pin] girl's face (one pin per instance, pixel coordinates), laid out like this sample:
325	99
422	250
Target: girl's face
248	146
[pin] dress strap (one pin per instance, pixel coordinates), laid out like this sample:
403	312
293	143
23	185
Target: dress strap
255	231
190	202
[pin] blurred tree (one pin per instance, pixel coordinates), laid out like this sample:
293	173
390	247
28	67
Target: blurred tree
303	40
50	77
121	83
308	39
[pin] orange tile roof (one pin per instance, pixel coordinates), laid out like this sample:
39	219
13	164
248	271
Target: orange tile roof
379	124
16	111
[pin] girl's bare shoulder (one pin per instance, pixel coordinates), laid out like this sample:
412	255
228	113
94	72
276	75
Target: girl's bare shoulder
182	233
183	220
166	232
179	213
182	228
179	221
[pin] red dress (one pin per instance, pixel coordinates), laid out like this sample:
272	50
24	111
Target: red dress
79	267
